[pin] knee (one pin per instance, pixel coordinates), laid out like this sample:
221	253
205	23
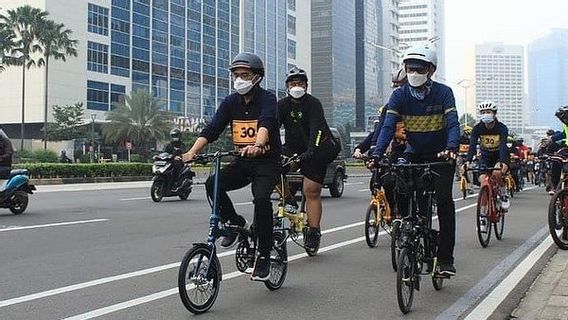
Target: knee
312	192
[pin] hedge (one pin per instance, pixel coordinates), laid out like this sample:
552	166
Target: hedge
85	170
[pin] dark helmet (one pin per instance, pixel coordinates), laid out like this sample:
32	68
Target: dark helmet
549	132
562	114
248	60
296	74
175	134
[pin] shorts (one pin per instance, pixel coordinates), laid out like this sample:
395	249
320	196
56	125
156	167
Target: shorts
315	168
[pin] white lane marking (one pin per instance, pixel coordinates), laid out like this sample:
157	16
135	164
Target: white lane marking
243	203
87	284
52	225
486	307
352	183
139	198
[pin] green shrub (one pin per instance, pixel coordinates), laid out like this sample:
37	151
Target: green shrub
85	170
45	156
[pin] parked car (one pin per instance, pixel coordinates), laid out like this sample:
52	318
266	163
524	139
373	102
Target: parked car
335	175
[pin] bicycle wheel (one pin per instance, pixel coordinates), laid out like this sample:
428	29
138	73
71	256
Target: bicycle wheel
405	277
395	232
278	262
557	219
372	226
482	217
199	279
463	187
499	225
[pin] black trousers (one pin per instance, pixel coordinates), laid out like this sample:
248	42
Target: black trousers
442	185
263	175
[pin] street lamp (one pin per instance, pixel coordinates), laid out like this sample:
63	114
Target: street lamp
465	84
93	117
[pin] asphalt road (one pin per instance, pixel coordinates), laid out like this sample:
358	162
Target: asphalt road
114	254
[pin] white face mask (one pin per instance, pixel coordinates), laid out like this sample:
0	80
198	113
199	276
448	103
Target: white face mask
243	86
509	145
297	92
416	79
487	117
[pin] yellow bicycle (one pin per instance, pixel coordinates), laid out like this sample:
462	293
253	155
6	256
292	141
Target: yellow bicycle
511	185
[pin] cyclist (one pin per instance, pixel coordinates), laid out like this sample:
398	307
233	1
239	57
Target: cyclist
492	136
428	111
561	137
307	134
252	113
515	162
462	151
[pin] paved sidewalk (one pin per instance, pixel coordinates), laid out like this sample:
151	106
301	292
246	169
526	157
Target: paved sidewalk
547	298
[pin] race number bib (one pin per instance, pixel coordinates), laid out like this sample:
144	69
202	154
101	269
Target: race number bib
464	148
244	132
490	142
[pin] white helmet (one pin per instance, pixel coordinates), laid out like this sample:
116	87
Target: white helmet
487	105
421	52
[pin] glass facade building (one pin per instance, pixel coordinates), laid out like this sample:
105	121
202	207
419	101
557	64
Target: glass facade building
265	34
178	49
333	59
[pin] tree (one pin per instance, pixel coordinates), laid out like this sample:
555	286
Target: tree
57	44
24	24
69	123
6	44
138	119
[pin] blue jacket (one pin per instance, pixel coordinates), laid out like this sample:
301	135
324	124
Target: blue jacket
431	124
492	141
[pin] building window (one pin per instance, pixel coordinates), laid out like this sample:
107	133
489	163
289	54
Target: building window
291	49
116	94
97	57
98	19
97	95
291	25
292	5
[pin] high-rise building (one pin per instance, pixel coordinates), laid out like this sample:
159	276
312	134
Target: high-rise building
366	61
547	76
178	49
302	35
389	56
499	78
422	21
268	30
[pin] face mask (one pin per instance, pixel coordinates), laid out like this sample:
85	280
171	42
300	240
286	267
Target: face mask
297	92
243	86
416	79
175	139
509	145
487	117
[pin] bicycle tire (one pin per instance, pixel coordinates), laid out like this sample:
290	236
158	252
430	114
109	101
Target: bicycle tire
555	223
437	282
394	244
278	262
483	237
372	226
405	277
203	260
463	187
499	226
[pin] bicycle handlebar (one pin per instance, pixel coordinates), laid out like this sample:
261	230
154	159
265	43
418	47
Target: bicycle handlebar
208	157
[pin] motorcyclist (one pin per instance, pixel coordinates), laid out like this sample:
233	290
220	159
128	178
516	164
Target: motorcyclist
63	158
176	147
6	152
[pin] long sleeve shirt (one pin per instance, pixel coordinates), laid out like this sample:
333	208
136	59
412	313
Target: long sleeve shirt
305	127
245	119
431	124
492	141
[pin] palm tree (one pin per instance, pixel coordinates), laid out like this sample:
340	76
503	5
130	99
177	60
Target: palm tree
24	23
140	119
6	44
56	44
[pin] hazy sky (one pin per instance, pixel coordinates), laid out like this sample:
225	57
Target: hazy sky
509	21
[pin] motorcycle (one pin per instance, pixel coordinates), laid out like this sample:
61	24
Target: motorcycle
14	191
165	184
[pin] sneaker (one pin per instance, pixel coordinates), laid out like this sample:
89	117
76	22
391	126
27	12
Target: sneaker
505	202
230	240
447	269
261	269
551	192
312	238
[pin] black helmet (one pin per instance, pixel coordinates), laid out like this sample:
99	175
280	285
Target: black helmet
248	60
175	134
296	74
549	132
562	114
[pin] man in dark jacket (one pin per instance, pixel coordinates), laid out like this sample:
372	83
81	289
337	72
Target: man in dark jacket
6	152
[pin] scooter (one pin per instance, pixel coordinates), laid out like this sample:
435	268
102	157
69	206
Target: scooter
165	184
14	191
